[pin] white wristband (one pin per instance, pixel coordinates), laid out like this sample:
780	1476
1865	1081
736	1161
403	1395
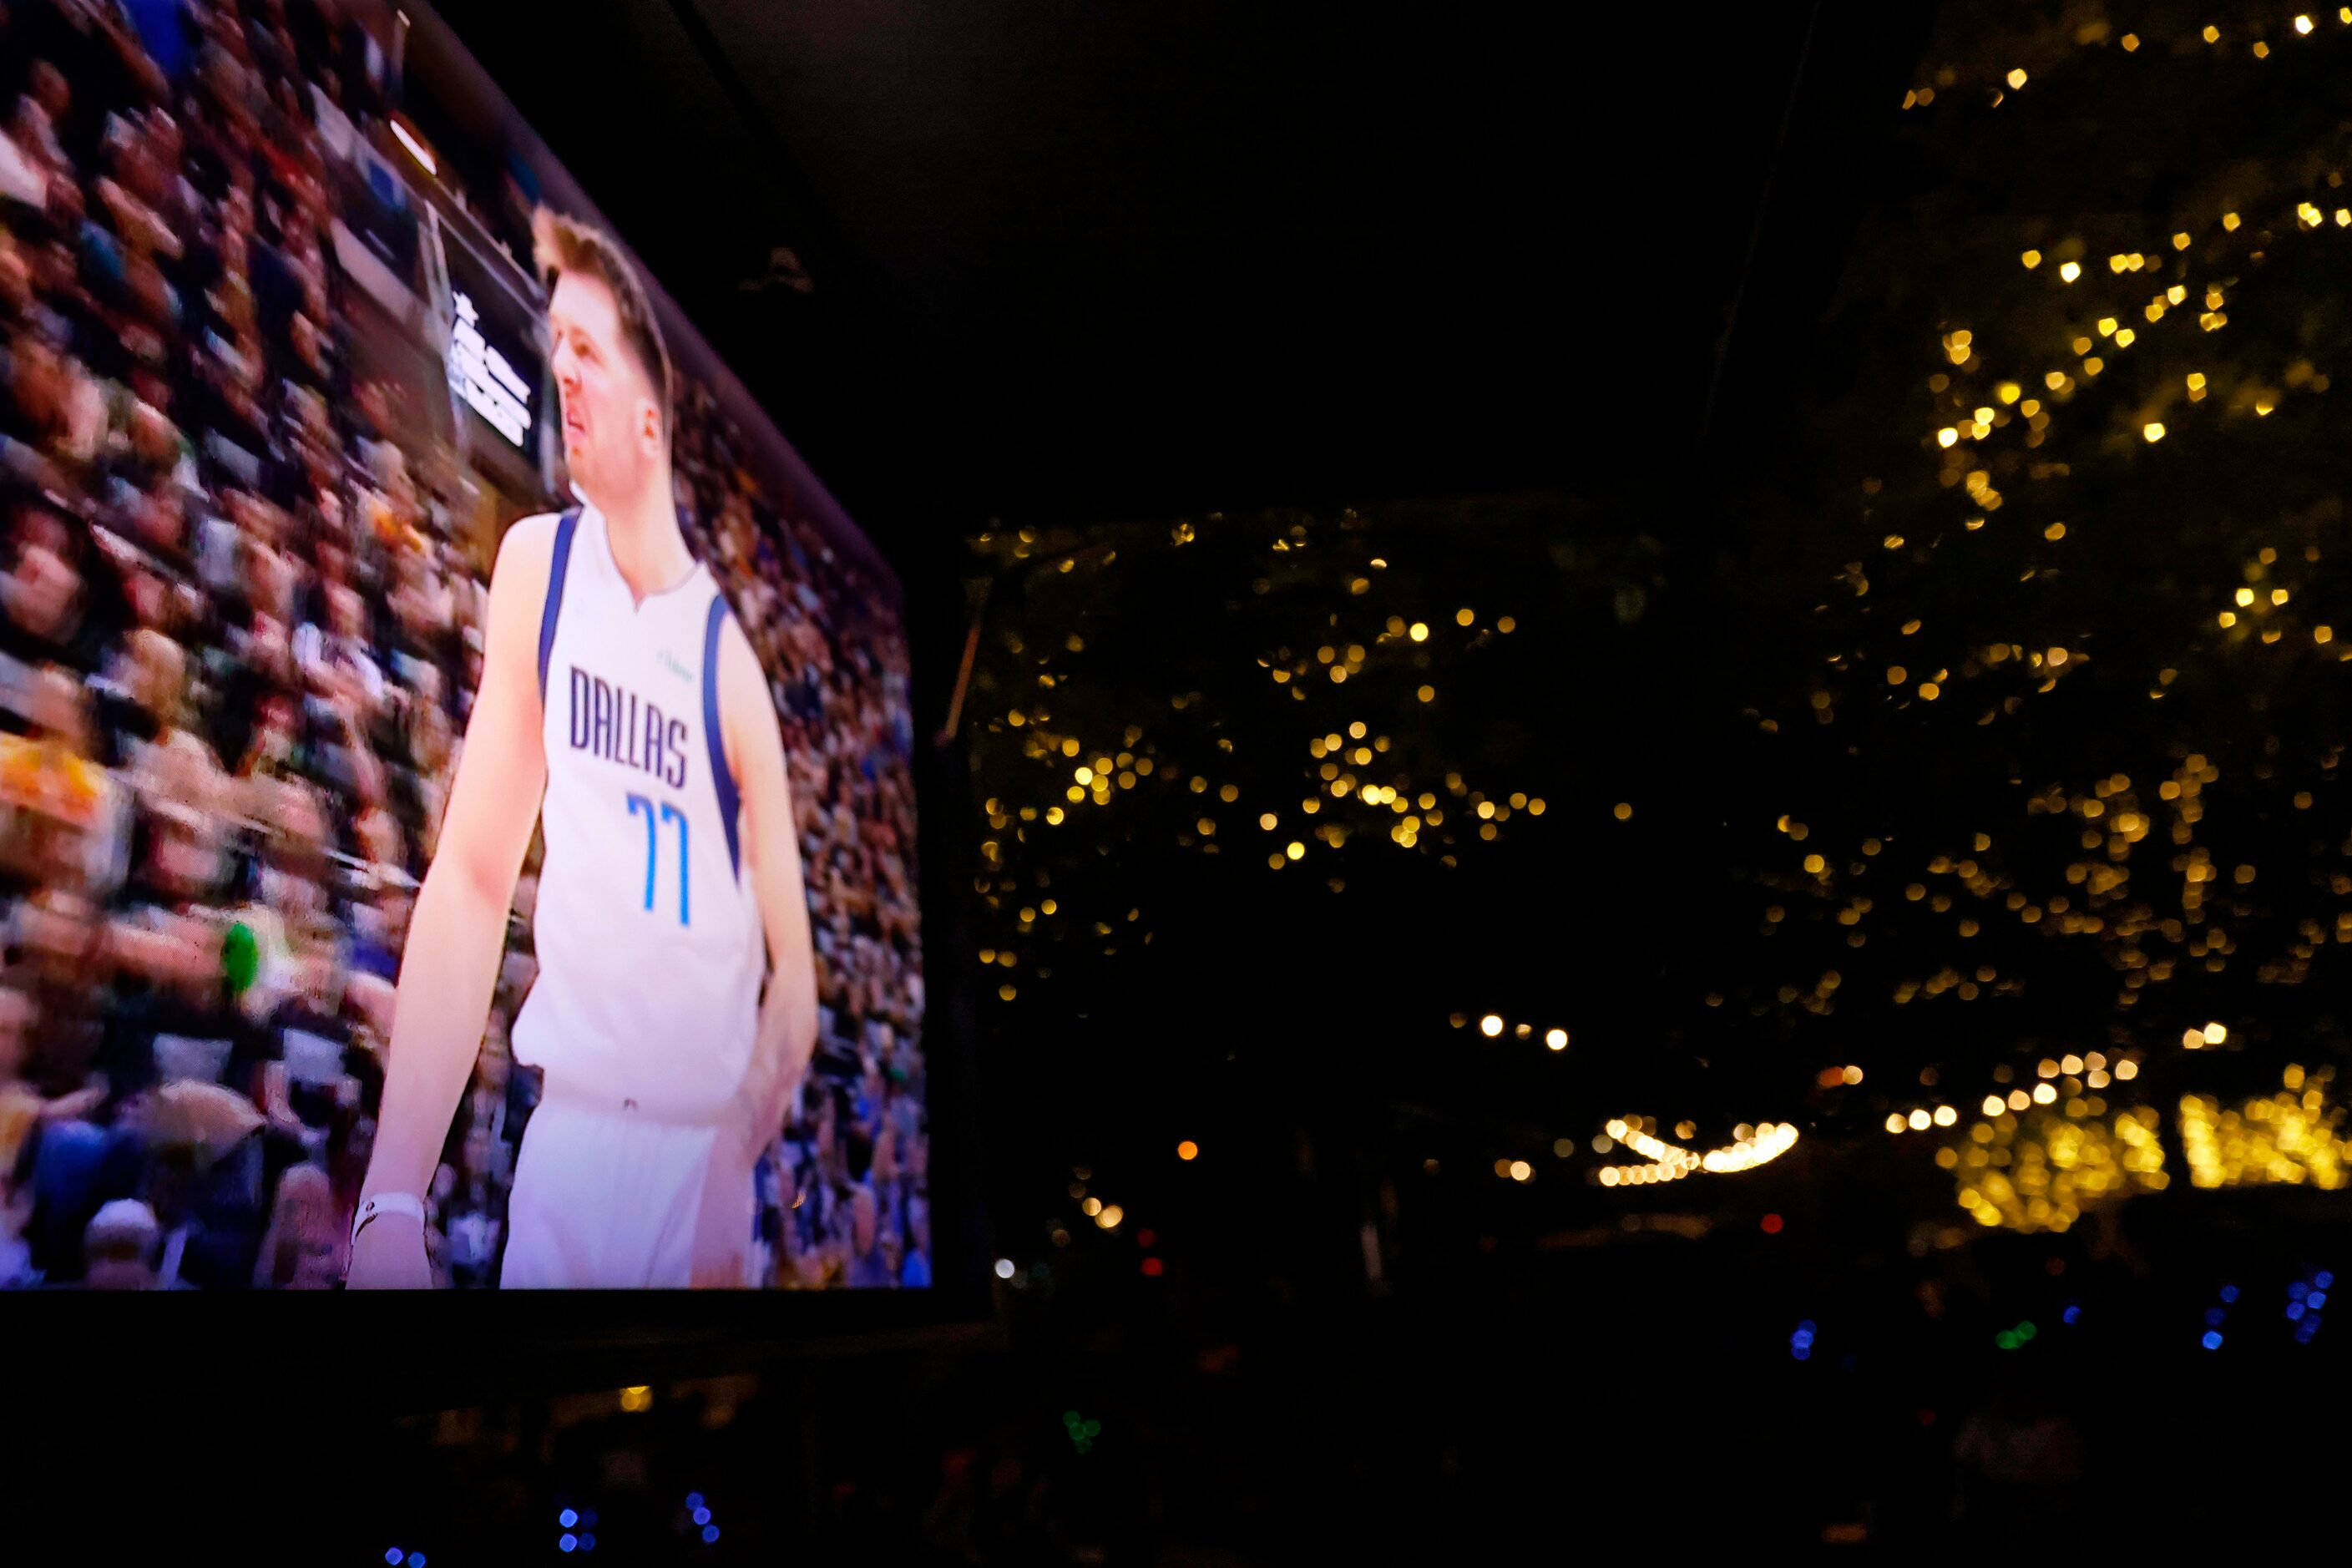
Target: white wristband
408	1204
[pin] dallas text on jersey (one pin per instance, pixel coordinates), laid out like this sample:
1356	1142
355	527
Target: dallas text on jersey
611	722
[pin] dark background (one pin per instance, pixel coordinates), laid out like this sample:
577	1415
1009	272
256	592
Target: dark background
1088	263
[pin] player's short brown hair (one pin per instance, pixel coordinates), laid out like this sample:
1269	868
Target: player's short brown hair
561	245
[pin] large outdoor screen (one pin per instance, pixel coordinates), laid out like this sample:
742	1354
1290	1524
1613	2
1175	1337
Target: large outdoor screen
457	825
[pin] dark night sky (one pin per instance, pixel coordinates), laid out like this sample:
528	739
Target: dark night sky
1084	263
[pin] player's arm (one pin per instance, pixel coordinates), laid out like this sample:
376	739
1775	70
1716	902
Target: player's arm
457	933
755	748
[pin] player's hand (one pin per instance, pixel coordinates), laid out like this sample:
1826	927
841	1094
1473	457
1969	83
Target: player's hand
722	1230
768	1092
390	1256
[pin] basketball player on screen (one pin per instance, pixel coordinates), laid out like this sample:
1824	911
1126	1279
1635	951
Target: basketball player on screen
621	706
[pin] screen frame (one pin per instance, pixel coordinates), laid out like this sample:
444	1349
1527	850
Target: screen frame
427	1350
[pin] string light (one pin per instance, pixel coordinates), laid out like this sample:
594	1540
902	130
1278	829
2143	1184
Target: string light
1670	1162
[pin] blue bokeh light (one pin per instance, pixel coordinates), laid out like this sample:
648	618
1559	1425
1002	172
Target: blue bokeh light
587	1544
694	1499
2071	1314
2212	1340
2294	1311
702	1516
709	1533
567	1519
2213	1316
2317	1299
392	1557
417	1560
2323	1280
2229	1292
568	1544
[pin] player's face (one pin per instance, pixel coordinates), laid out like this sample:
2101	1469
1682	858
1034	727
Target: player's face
611	423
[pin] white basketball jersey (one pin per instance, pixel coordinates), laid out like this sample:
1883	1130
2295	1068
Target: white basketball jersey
650	949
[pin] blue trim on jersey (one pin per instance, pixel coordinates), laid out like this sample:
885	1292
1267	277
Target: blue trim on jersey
729	800
556	566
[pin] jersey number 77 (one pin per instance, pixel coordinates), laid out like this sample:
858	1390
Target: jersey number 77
669	814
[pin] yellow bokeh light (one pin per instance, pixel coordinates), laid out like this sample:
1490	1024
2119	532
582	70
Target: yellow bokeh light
2071	270
2040	1172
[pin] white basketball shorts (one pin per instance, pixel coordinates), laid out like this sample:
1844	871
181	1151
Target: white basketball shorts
604	1198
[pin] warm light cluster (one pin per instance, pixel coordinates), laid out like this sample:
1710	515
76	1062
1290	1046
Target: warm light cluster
1985	426
1080	768
2039	1171
2146	313
2289	1137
